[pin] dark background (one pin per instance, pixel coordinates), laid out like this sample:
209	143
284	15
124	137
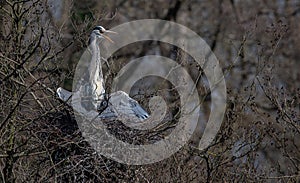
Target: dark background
255	41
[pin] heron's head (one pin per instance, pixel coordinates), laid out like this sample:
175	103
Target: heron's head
101	32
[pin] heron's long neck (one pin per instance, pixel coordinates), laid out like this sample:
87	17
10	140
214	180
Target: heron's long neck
95	69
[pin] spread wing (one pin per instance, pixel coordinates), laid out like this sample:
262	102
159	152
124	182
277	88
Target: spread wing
126	107
63	94
120	105
137	109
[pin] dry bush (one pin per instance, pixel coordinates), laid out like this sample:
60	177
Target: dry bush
256	43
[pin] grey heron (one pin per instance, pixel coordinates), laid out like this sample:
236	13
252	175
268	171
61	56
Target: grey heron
117	104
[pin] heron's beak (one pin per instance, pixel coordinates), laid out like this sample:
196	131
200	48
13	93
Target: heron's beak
108	38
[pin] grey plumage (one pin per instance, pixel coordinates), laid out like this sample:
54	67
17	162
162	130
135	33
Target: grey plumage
116	105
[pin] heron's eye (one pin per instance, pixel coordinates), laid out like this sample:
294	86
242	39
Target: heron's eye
104	103
101	31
